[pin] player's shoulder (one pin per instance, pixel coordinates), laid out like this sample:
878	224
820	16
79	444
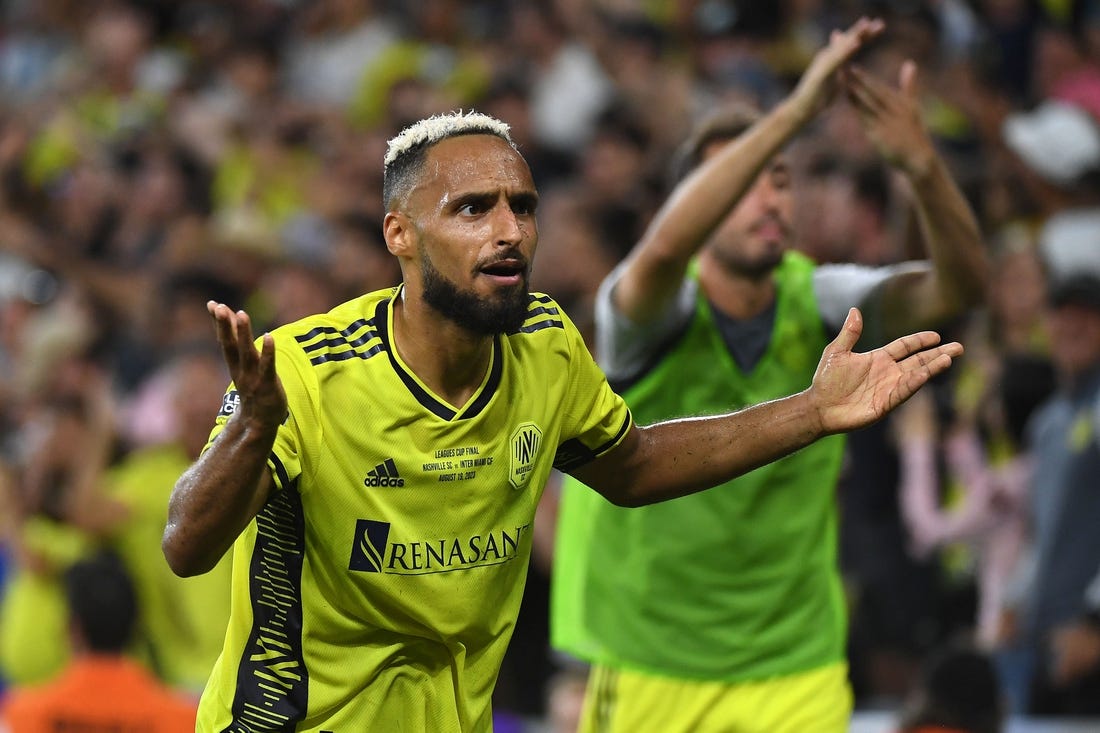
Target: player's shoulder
543	314
349	329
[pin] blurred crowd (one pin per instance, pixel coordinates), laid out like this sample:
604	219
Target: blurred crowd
155	154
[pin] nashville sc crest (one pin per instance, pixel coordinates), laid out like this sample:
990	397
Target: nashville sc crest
525	443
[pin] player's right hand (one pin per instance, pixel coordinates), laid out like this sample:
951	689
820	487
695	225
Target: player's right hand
262	398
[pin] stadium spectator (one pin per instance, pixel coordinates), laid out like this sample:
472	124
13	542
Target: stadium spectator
100	689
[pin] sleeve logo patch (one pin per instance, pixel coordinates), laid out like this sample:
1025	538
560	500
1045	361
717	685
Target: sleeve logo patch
230	402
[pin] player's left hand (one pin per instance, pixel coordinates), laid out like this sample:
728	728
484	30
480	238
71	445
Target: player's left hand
891	117
851	390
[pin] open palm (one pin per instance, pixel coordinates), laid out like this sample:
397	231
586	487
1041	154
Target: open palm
852	390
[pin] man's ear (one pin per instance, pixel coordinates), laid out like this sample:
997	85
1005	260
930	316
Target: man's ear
399	234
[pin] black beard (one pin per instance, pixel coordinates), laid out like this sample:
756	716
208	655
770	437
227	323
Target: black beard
743	267
470	311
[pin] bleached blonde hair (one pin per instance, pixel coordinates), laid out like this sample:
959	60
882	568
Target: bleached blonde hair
405	151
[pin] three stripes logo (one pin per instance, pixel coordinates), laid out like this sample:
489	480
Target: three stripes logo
384	474
368	552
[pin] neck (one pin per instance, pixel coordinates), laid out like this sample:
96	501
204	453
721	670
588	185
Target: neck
737	295
447	358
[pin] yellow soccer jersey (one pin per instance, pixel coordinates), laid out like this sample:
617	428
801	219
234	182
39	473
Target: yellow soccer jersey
378	588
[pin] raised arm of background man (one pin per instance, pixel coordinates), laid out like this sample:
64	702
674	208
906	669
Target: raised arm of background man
956	279
654	271
652	275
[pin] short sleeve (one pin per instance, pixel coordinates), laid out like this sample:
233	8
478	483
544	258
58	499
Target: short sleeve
625	348
595	417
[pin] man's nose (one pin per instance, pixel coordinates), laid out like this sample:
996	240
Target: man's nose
769	194
508	229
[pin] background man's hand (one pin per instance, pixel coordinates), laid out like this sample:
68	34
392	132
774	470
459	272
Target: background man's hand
818	83
891	117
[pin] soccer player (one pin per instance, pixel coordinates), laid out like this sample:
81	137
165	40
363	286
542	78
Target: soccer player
730	601
376	468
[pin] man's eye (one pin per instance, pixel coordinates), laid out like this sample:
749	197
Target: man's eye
471	209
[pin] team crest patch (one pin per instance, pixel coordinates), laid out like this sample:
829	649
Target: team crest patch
525	443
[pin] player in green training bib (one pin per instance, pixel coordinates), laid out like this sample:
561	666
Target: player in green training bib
376	468
730	601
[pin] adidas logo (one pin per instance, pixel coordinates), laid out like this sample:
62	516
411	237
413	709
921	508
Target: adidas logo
384	474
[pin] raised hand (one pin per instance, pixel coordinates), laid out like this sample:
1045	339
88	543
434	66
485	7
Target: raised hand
852	390
891	117
816	87
262	398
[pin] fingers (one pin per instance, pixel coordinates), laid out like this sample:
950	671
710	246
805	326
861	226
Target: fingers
849	332
900	348
266	362
245	347
858	33
925	365
865	29
907	79
225	328
844	44
873	95
234	331
866	93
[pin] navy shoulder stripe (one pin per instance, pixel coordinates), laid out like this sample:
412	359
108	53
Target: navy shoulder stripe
324	344
542	312
531	327
572	453
345	332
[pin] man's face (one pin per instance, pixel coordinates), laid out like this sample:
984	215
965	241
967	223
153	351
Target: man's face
752	239
473	215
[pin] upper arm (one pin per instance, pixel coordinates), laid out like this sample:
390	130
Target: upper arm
265	487
624	345
649	279
610	471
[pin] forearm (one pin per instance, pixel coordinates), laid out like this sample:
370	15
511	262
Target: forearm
216	498
702	201
680	457
698	205
952	237
918	485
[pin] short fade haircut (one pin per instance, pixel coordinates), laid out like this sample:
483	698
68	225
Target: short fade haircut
405	153
102	602
722	124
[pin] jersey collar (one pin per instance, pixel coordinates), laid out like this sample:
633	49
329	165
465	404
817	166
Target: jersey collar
383	320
